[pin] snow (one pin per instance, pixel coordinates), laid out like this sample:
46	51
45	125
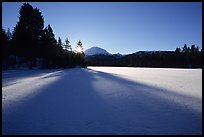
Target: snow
95	51
102	100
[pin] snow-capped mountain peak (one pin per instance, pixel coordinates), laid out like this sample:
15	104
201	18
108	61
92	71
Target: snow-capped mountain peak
96	51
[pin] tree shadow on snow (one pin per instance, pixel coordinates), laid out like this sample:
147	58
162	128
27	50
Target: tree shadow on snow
85	101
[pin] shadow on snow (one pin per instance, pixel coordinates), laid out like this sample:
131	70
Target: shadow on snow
84	101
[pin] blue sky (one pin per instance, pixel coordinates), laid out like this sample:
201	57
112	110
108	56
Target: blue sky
123	27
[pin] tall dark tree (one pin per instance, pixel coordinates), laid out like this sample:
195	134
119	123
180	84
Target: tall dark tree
80	54
193	49
184	48
28	33
59	42
79	47
49	46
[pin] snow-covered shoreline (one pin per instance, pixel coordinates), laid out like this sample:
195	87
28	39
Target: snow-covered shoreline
102	100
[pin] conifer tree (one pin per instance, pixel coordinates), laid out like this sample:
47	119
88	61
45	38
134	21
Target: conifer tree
59	42
67	45
27	33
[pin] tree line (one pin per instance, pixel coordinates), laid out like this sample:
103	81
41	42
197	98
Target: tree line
184	57
32	44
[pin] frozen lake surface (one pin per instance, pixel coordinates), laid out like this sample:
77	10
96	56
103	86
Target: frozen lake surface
102	100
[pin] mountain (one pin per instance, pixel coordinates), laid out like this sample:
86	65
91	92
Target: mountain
96	51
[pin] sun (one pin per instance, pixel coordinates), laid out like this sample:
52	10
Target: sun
79	49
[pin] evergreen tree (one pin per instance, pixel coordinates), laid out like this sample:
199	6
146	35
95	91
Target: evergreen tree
79	47
193	49
184	48
49	47
27	33
67	45
80	54
197	49
59	42
178	50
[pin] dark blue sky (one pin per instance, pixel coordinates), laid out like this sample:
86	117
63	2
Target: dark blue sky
119	26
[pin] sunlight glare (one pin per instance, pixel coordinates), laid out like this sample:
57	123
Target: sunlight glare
79	49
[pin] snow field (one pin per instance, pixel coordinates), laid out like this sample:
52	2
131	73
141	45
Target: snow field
102	100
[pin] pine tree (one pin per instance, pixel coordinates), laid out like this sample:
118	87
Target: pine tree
193	49
178	50
184	48
27	33
59	42
80	54
49	47
79	47
67	45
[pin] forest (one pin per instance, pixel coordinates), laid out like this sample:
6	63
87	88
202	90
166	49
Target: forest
31	45
185	57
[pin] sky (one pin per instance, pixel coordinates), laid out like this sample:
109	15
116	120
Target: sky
118	27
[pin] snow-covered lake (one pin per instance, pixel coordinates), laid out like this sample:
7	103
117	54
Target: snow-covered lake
102	100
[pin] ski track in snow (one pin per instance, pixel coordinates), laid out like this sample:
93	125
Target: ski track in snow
102	100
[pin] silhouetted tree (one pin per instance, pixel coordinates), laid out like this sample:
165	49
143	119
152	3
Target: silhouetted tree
49	46
31	43
80	54
67	45
79	47
59	42
192	48
184	49
178	50
27	33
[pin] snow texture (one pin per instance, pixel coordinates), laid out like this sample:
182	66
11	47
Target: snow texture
102	100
